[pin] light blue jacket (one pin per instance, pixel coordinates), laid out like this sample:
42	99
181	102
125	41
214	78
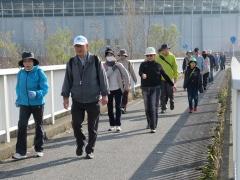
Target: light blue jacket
34	80
200	62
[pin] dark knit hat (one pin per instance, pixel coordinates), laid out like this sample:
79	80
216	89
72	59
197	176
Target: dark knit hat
109	51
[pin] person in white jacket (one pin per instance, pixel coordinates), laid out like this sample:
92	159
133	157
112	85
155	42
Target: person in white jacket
206	69
119	82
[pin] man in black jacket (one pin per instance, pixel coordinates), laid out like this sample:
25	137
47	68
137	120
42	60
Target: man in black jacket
212	65
86	81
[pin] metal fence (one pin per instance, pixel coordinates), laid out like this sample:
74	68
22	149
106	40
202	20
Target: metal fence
40	8
235	66
8	111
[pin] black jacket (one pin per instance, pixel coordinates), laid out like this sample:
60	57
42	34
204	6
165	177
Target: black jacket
185	63
154	71
212	61
193	79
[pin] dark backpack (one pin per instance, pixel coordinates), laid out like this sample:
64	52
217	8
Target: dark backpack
96	60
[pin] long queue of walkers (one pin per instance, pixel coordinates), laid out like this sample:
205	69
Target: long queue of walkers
90	82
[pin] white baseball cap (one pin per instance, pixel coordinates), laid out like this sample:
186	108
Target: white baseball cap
80	40
150	51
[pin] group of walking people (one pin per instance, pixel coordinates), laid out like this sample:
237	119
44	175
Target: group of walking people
90	82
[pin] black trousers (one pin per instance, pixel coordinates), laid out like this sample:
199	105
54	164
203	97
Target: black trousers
125	99
78	114
117	96
205	79
24	115
166	92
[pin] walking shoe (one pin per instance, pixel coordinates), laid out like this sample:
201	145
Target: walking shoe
195	109
123	110
172	106
79	151
163	111
118	129
39	154
19	156
205	88
112	128
90	156
190	110
153	130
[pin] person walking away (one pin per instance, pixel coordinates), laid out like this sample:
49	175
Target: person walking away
212	65
206	69
31	88
127	64
168	62
86	81
217	60
151	72
222	61
186	61
193	84
119	82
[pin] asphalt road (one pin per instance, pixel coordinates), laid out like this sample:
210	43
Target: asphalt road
176	151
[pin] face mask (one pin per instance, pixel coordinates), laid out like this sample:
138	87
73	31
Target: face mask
110	58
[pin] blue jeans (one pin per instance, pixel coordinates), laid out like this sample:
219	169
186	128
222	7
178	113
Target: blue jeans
192	96
211	75
151	96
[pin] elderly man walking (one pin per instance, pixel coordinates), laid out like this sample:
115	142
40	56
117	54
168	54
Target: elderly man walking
86	81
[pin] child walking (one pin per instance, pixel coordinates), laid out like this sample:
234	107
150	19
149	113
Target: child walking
31	88
150	72
193	84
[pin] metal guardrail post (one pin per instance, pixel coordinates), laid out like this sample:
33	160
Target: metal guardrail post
7	118
132	82
52	98
235	66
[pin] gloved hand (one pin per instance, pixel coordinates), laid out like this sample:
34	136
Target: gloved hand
32	94
114	67
17	105
201	90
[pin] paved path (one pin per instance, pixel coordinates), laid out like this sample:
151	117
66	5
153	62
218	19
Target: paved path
176	151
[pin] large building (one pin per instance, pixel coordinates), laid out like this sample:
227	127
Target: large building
207	24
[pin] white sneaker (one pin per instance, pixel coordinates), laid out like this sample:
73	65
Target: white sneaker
153	130
19	156
112	128
39	154
118	129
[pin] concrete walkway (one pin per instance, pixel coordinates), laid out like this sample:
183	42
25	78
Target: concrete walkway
176	151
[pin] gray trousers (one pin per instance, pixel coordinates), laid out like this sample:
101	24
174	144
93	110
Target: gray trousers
151	96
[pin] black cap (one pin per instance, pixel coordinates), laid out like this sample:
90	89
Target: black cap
164	46
109	51
28	55
196	49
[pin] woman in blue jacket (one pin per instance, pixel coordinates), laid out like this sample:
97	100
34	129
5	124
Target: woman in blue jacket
31	88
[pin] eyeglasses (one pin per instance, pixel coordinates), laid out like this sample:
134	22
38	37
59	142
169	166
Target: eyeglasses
150	55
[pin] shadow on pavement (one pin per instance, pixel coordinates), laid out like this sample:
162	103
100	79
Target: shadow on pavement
31	169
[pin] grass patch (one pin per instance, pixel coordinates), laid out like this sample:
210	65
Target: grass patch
215	150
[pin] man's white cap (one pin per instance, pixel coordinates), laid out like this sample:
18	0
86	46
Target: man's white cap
150	51
80	40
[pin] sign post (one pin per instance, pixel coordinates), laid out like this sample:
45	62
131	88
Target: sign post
233	40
